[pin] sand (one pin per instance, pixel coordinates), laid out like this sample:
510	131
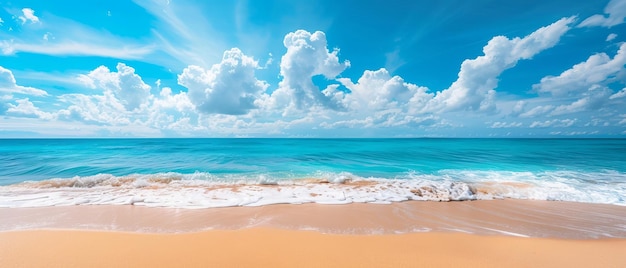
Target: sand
408	234
289	248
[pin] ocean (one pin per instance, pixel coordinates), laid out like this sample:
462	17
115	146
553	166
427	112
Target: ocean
202	173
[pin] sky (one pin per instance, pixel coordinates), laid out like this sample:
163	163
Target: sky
277	68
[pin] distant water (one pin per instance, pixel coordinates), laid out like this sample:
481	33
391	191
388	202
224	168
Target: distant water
198	173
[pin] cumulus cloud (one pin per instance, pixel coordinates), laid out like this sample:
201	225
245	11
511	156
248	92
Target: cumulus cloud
28	15
10	86
378	90
597	69
171	111
124	84
477	79
25	107
307	56
99	109
611	37
614	14
229	87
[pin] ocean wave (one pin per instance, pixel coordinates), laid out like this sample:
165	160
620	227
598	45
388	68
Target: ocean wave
205	190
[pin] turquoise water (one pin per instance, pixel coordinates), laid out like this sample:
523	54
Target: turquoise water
584	170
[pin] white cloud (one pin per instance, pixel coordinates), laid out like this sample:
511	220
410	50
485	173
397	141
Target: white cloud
124	84
477	79
229	87
180	102
28	15
506	124
25	107
620	94
99	109
393	60
183	32
72	48
171	111
616	11
518	108
1	22
537	111
592	100
47	36
66	37
307	56
553	123
597	69
9	85
377	90
162	113
611	37
623	121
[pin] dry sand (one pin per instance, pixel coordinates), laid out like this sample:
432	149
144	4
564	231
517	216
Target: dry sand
574	235
289	248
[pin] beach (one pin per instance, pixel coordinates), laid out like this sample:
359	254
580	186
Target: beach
495	233
312	203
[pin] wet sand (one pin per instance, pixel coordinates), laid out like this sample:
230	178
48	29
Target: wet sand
498	233
524	218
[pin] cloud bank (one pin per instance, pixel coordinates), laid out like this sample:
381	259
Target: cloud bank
313	96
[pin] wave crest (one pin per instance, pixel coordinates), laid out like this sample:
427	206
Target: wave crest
204	190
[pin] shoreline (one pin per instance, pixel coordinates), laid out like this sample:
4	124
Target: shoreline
494	233
509	217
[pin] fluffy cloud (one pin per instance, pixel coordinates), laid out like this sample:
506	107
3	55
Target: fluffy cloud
9	85
614	14
28	15
94	109
124	84
597	69
474	88
25	107
307	56
229	87
171	111
378	90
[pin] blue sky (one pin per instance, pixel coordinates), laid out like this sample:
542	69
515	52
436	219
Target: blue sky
185	68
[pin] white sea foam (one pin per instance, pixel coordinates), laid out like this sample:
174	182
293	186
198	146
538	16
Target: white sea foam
203	190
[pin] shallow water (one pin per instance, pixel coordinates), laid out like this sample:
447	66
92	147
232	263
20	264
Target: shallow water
198	173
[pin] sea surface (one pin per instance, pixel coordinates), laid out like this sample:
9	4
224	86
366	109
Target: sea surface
201	173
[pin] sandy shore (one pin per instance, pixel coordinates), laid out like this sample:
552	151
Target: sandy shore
523	218
499	233
289	248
